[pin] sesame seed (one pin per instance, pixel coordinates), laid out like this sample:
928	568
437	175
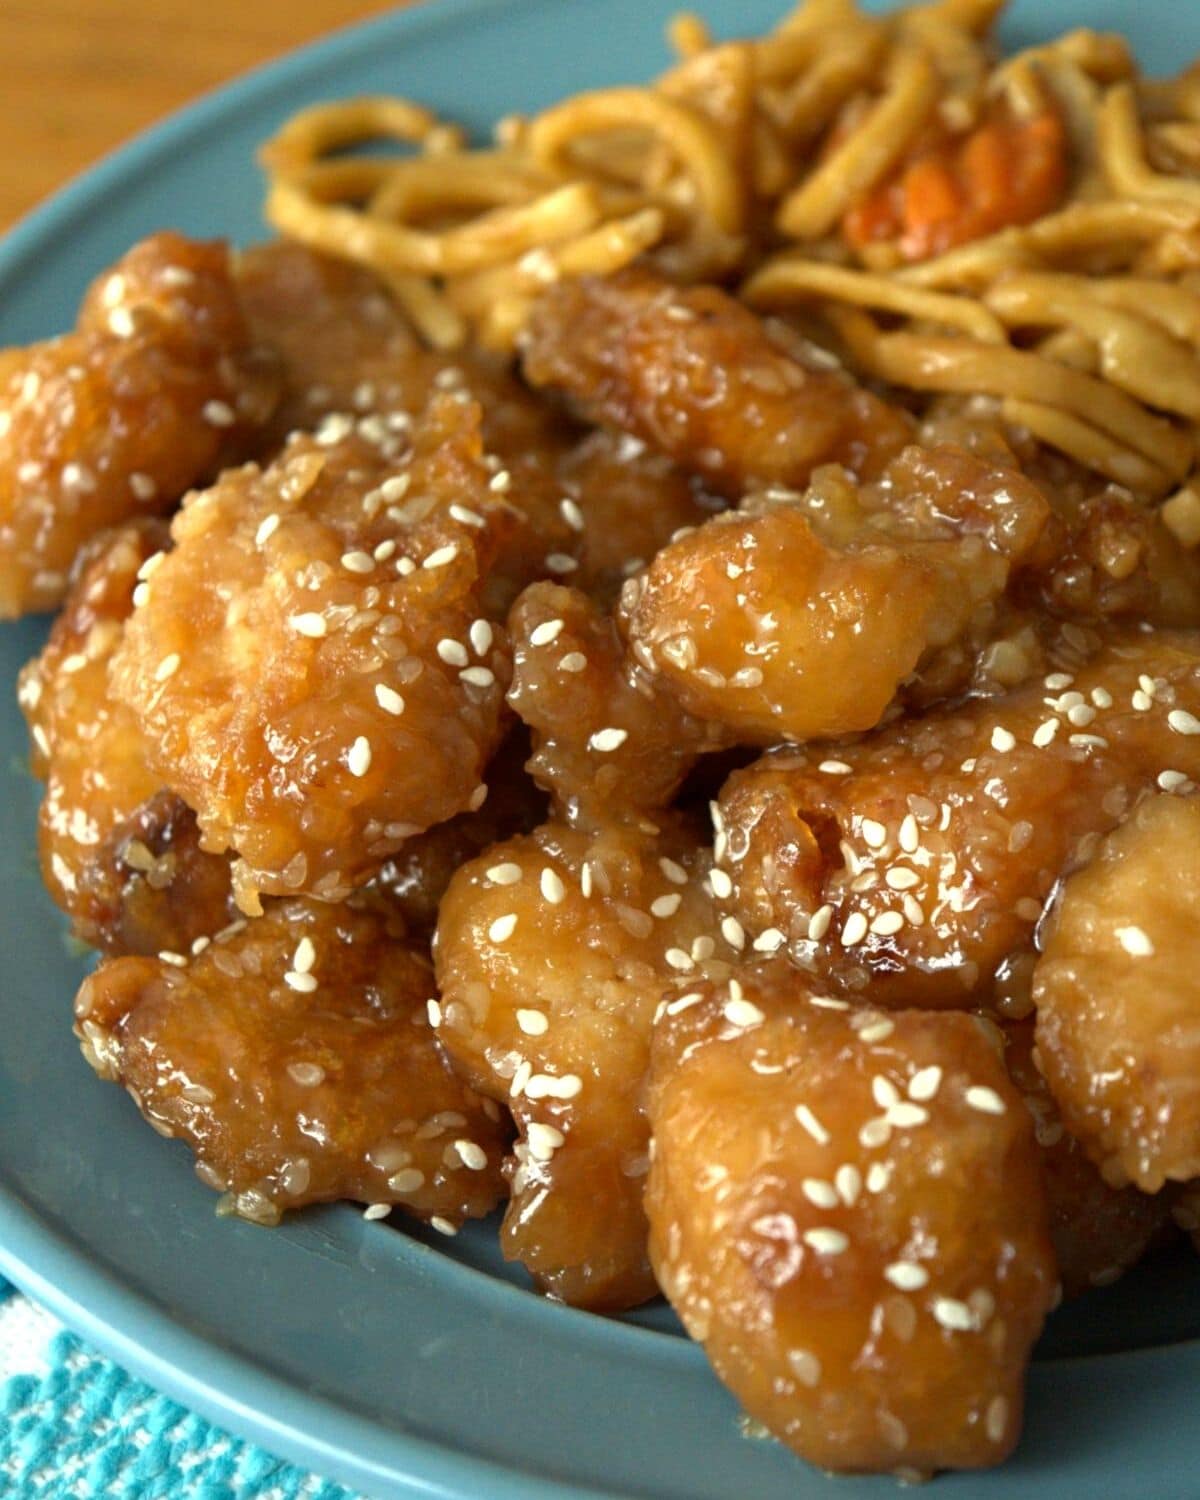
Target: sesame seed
769	941
481	636
474	1157
875	1132
454	653
507	873
543	1140
561	562
848	1181
879	1174
306	1074
924	1083
358	759
552	887
722	886
820	1194
532	1022
1081	715
666	906
377	1210
818	923
910	835
806	1367
1171	781
1183	722
1003	740
826	1241
441	557
812	1125
996	1418
884	1092
442	1225
167	667
854	929
143	486
953	1314
303	984
877	1031
309	624
406	1181
1044	733
547	1086
745	1013
679	960
606	740
305	956
1102	698
733	932
887	923
874	833
545	633
906	1275
1142	702
176	960
674	872
574	661
834	768
219	414
1058	680
405	566
904	1115
571	514
433	1010
388	699
986	1101
1135	941
480	677
503	928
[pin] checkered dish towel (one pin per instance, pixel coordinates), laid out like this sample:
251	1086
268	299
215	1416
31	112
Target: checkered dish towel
74	1426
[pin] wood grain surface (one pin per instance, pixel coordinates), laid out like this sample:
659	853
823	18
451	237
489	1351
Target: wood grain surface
78	77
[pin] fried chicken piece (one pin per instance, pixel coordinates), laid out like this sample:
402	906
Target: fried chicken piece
702	379
608	741
294	1057
846	1210
413	882
552	954
313	666
799	618
1117	990
917	861
627	502
157	390
119	855
1098	1231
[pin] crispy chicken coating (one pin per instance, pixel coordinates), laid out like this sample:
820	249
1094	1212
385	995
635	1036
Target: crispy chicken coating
156	391
552	954
294	1056
313	665
608	741
1117	990
118	854
798	618
1098	1231
846	1209
698	376
917	861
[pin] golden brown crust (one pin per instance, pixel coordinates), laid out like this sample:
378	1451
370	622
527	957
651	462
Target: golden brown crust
295	1058
552	954
1117	990
846	1209
158	390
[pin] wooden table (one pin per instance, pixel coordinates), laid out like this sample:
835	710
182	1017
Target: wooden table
78	77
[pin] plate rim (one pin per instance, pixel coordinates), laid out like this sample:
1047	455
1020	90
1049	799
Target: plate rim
232	1391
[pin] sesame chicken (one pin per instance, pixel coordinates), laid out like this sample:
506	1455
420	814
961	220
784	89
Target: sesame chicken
294	1057
157	389
303	665
1117	990
914	865
846	1210
552	954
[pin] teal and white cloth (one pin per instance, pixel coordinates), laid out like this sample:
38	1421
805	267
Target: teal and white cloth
75	1426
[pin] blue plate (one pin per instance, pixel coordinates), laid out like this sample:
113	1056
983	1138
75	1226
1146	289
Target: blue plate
375	1357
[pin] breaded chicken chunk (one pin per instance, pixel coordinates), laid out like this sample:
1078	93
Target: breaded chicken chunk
314	665
914	864
118	853
846	1210
552	955
295	1058
1098	1231
156	391
702	379
608	740
798	618
1117	990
